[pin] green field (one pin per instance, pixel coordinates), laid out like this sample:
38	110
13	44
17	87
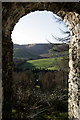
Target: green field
47	63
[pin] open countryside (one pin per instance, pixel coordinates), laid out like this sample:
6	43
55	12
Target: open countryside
47	63
40	79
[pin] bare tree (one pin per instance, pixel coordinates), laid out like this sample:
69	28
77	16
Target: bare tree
65	39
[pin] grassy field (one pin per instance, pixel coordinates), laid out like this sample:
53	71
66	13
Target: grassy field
48	63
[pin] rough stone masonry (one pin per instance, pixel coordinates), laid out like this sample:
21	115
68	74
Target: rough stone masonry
70	13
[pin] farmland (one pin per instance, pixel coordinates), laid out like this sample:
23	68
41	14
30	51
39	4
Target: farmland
46	63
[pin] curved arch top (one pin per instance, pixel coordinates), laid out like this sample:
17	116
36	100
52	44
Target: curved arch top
70	13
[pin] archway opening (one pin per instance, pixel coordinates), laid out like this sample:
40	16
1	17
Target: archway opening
40	71
11	13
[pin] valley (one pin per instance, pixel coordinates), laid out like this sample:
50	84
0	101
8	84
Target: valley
40	82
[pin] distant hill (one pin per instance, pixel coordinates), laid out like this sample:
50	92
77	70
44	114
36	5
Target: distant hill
38	51
30	51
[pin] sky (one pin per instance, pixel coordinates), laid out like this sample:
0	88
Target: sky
38	27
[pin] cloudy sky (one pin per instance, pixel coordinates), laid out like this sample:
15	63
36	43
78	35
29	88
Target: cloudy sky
38	27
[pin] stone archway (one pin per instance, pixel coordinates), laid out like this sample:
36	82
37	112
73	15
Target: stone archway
69	12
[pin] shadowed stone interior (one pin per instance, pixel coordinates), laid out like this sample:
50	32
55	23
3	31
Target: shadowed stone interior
70	13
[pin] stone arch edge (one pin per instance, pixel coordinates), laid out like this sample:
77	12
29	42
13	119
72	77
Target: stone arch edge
7	32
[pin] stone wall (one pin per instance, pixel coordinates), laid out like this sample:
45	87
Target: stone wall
69	12
79	67
72	20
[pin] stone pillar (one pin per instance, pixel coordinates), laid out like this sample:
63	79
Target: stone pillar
7	52
79	65
72	21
